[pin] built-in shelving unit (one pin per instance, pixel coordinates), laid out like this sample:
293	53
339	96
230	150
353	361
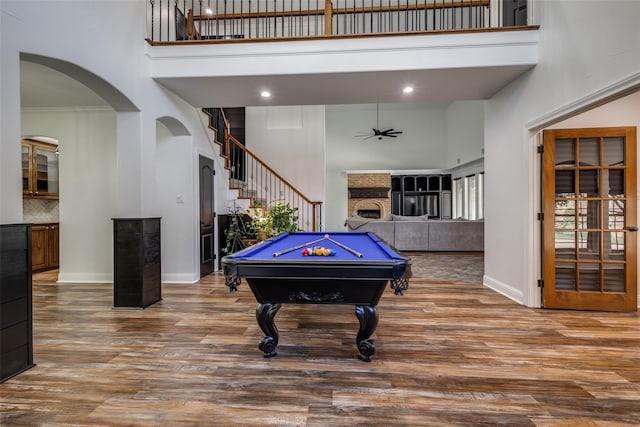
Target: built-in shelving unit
417	195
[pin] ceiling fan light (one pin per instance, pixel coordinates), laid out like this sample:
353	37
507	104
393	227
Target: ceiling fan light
377	132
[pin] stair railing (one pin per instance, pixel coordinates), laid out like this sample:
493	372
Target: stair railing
257	181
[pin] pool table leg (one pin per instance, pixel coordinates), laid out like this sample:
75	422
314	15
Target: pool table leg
368	317
265	313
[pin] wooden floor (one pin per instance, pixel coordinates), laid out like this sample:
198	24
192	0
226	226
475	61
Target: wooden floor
448	353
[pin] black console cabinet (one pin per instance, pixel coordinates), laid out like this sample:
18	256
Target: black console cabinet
16	333
137	274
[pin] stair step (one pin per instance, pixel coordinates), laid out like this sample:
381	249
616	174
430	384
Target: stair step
237	184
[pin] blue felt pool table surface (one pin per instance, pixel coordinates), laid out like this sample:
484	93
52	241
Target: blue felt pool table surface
368	245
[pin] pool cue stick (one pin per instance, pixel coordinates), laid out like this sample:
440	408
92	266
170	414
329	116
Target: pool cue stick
286	251
343	246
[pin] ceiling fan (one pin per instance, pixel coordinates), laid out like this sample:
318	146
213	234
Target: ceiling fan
377	133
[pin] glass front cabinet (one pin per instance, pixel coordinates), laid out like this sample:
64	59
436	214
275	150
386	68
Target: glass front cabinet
39	169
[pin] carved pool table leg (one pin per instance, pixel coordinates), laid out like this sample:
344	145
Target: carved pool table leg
368	317
265	313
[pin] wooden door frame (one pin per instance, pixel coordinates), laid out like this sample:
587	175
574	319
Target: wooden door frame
631	220
532	295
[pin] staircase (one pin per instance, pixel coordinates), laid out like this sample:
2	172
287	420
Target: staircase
256	184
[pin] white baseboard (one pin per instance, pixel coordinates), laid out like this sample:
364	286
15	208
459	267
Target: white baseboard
180	278
85	278
504	289
108	278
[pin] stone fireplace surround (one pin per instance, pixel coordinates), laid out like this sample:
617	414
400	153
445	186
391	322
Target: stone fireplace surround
369	194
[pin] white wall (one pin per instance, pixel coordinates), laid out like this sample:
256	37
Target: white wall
577	60
87	165
290	140
465	132
176	199
114	55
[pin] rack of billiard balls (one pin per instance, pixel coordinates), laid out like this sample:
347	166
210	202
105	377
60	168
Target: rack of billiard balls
318	251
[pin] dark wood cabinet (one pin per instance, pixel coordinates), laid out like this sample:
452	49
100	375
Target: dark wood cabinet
45	246
39	170
137	270
16	334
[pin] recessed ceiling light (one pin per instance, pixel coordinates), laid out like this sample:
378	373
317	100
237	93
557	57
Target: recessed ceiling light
265	94
407	89
209	12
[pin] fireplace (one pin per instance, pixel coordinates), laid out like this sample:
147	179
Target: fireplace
369	194
369	213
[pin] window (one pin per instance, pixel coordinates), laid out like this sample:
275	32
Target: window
468	197
458	197
480	205
471	193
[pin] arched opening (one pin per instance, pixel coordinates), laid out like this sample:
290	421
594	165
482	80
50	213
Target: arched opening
64	101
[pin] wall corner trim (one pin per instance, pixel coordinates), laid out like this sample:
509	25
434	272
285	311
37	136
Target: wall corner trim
595	99
504	289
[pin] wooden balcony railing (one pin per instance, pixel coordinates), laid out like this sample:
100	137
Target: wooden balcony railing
258	182
261	20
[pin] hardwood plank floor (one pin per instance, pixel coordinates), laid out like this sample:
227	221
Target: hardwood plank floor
448	353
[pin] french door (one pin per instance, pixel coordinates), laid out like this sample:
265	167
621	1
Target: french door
590	219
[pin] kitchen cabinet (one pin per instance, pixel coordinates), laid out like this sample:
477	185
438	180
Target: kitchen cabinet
39	170
45	246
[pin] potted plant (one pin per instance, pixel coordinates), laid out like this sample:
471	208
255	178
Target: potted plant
280	218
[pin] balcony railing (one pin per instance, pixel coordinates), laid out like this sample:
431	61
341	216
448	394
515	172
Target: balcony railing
224	20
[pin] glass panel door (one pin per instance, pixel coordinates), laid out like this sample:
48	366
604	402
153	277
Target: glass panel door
590	240
46	171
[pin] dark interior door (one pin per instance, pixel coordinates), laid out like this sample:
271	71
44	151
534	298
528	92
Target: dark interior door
207	216
514	12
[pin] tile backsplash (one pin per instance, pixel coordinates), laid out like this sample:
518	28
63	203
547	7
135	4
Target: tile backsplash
40	210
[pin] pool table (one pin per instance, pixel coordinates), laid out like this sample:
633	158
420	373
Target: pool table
355	271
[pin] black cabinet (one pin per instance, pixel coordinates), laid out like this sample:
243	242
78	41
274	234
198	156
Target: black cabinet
16	333
418	195
137	272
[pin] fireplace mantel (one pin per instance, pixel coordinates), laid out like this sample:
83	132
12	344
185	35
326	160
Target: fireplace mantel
369	192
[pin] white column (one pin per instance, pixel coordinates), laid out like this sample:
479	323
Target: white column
10	160
129	166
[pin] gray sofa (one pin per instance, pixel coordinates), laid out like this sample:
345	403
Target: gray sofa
408	233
